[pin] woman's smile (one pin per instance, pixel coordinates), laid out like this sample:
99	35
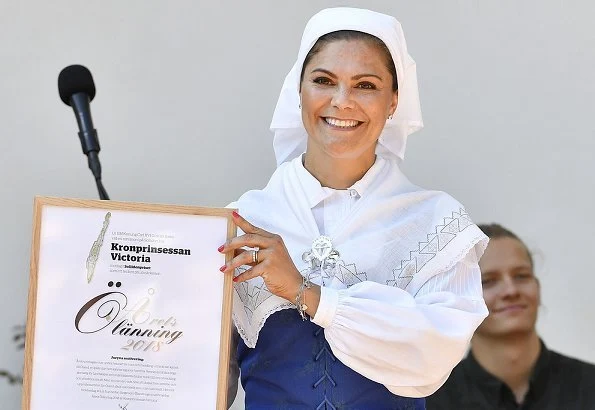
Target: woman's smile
343	125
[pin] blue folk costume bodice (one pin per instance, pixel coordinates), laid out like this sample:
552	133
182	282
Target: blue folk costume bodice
292	367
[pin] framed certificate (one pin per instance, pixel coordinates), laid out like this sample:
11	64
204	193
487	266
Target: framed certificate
127	307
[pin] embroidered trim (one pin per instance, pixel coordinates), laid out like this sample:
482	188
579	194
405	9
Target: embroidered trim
251	296
348	274
251	341
426	251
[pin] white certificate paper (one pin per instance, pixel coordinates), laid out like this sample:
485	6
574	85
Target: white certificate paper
128	309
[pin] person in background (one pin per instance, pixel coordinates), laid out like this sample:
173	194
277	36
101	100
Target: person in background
358	290
509	366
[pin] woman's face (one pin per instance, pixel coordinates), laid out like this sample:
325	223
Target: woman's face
346	96
510	289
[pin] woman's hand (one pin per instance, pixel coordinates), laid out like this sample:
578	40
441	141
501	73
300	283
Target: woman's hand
274	264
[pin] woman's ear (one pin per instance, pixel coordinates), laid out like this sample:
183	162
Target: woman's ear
393	103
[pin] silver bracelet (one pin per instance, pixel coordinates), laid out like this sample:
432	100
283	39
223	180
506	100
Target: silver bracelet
300	299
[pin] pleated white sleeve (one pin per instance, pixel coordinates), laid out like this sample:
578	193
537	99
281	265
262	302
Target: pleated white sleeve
408	343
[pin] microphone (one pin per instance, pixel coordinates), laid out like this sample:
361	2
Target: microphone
77	89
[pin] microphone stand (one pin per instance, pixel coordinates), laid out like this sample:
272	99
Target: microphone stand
95	167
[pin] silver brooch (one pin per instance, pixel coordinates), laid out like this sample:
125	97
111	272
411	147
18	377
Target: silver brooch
322	254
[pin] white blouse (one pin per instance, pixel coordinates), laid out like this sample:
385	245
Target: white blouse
377	330
409	343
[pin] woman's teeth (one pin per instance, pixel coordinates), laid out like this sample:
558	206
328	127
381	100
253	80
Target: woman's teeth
341	123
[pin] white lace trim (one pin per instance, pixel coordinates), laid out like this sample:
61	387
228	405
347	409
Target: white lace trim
251	340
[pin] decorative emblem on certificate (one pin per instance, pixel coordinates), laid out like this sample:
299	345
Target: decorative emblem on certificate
94	252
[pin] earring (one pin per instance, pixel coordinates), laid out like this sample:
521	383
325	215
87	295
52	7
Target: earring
390	116
300	106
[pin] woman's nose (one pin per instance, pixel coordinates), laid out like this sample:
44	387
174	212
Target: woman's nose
342	98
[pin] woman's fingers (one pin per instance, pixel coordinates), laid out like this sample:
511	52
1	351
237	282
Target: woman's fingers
249	240
254	236
243	224
249	274
247	227
244	257
271	261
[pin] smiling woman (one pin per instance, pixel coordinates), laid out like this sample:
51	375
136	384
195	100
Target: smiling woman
383	274
345	106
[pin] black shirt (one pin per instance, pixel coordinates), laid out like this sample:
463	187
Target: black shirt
557	383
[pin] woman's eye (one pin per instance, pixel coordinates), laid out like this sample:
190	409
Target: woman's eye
323	81
366	86
488	282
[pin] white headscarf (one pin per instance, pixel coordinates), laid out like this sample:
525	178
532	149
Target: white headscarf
290	135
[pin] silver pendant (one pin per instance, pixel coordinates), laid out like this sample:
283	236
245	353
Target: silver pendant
322	254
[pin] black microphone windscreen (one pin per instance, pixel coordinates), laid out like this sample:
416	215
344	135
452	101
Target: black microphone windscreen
75	79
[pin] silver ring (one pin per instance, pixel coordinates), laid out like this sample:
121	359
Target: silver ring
255	256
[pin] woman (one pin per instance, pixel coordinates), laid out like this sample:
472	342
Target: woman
384	272
509	367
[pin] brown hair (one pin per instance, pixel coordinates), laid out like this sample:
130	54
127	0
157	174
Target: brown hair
347	35
495	231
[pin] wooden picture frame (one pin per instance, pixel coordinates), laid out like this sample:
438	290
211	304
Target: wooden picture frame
127	307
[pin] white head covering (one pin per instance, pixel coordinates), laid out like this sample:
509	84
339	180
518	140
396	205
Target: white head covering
290	135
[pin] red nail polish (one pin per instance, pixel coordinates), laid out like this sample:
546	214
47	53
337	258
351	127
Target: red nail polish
235	279
235	214
222	269
220	248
